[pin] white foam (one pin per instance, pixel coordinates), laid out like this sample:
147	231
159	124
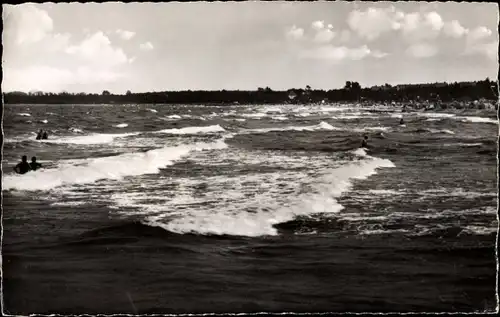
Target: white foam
152	110
360	152
194	130
440	131
89	139
478	120
24	114
383	192
479	230
76	130
254	115
114	167
260	222
364	129
463	144
121	125
44	121
436	115
280	118
321	126
174	116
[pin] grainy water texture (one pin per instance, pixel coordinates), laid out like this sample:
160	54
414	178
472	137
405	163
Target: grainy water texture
190	209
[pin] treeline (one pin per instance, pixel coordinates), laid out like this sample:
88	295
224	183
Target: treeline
351	92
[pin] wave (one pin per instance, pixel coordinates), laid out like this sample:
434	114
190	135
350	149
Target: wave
254	115
111	167
321	126
152	110
44	121
121	125
89	139
478	120
24	114
265	219
76	130
436	115
194	130
434	131
279	118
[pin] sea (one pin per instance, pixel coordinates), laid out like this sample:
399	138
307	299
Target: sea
173	209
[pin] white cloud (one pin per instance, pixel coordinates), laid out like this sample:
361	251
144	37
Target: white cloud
318	25
295	33
28	23
417	26
422	50
324	36
345	36
336	53
126	35
478	33
146	46
373	22
379	54
97	49
490	50
454	29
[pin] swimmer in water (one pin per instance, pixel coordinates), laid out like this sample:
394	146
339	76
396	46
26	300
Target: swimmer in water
39	135
364	143
23	167
34	164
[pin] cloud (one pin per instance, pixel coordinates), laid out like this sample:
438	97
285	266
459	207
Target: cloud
417	26
97	49
478	33
336	53
454	29
146	46
318	25
379	54
373	22
490	50
126	35
345	36
295	33
28	23
325	35
422	50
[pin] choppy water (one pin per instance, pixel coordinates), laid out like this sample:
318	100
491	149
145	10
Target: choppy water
175	209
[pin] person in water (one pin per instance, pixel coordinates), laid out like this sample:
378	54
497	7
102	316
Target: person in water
34	164
23	167
39	135
45	136
401	121
364	143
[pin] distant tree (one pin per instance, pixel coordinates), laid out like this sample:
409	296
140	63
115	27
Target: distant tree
106	93
128	93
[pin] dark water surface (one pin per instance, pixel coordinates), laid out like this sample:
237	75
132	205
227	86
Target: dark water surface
191	209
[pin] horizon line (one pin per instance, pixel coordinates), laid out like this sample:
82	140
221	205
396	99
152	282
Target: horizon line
255	89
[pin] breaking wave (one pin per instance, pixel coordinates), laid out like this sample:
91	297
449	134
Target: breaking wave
114	167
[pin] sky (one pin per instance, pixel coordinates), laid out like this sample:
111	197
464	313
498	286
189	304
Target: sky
141	47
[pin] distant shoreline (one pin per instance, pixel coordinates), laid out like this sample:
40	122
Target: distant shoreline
479	94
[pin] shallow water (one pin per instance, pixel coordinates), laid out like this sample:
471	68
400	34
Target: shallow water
185	209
